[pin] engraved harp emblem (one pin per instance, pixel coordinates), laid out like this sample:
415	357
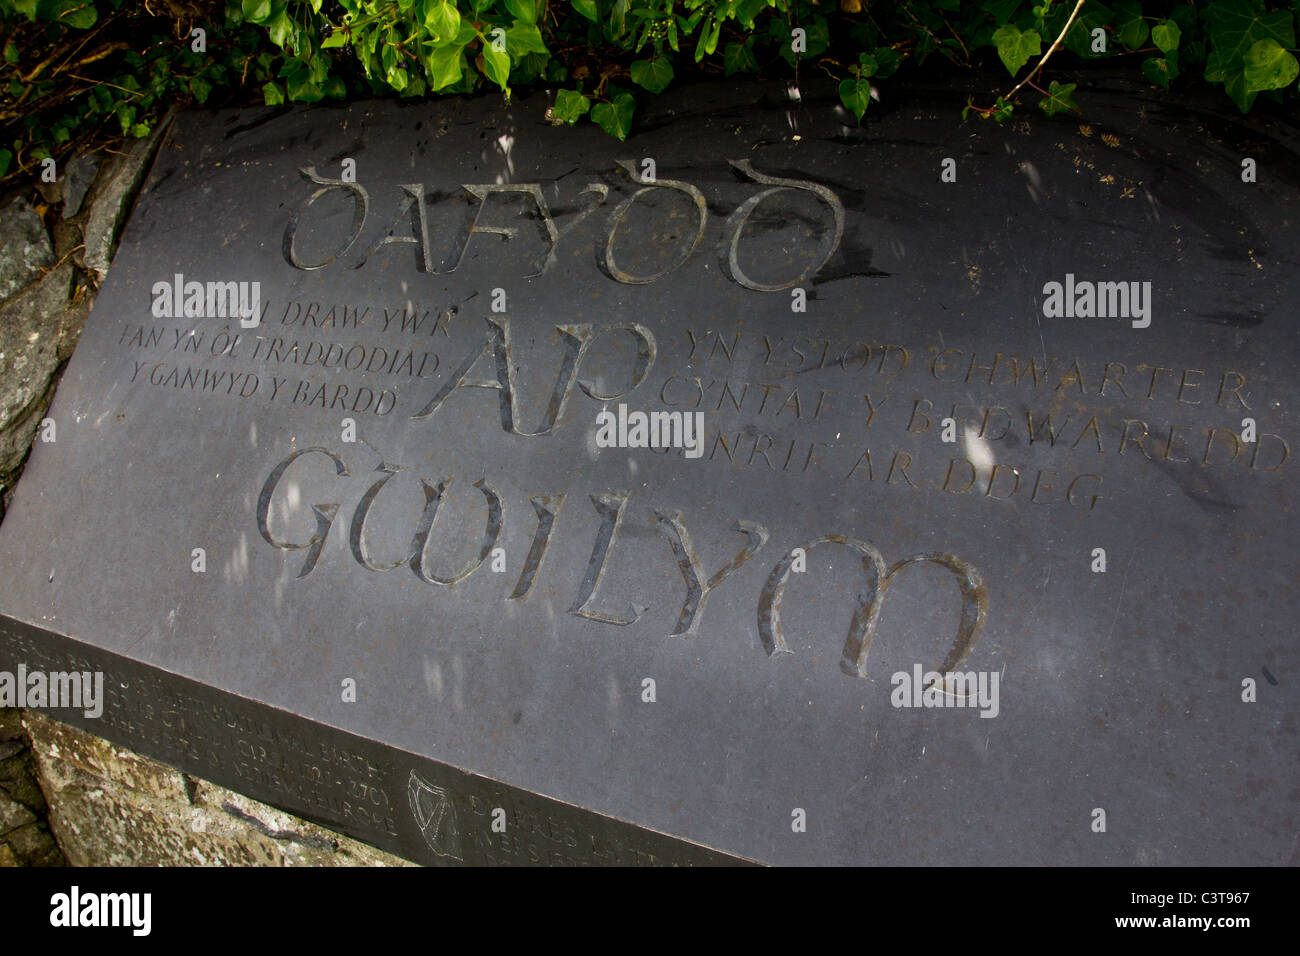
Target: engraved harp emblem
435	815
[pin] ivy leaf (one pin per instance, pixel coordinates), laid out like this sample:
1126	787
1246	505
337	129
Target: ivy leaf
1161	70
1166	35
1235	26
524	10
201	90
336	39
615	118
739	58
442	19
444	67
855	94
1059	98
1014	47
303	86
280	28
496	66
1269	67
1233	78
523	39
888	61
272	95
586	8
256	11
1131	29
6	158
569	106
654	75
1093	16
466	35
617	24
747	10
78	14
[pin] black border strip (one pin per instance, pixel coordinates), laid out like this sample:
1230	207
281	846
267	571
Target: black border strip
411	806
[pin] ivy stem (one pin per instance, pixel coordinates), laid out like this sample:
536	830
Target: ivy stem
1050	50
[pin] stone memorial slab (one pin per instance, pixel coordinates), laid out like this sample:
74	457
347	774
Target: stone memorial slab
763	488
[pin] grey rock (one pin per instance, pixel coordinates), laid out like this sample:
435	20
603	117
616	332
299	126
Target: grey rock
34	846
11	725
111	806
77	179
111	199
25	247
18	782
13	815
30	332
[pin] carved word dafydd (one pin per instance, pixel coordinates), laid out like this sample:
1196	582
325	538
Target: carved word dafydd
411	224
611	507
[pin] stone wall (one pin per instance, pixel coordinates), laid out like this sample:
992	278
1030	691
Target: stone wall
25	838
104	805
110	806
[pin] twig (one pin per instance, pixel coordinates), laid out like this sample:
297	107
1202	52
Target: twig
938	44
69	50
957	36
1050	50
83	79
68	255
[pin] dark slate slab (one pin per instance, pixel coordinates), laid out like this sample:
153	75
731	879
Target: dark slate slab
524	688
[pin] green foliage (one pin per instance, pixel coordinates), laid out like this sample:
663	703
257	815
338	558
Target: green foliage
1269	67
1244	51
569	107
1059	98
1130	26
76	73
654	75
1016	48
615	117
1165	35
